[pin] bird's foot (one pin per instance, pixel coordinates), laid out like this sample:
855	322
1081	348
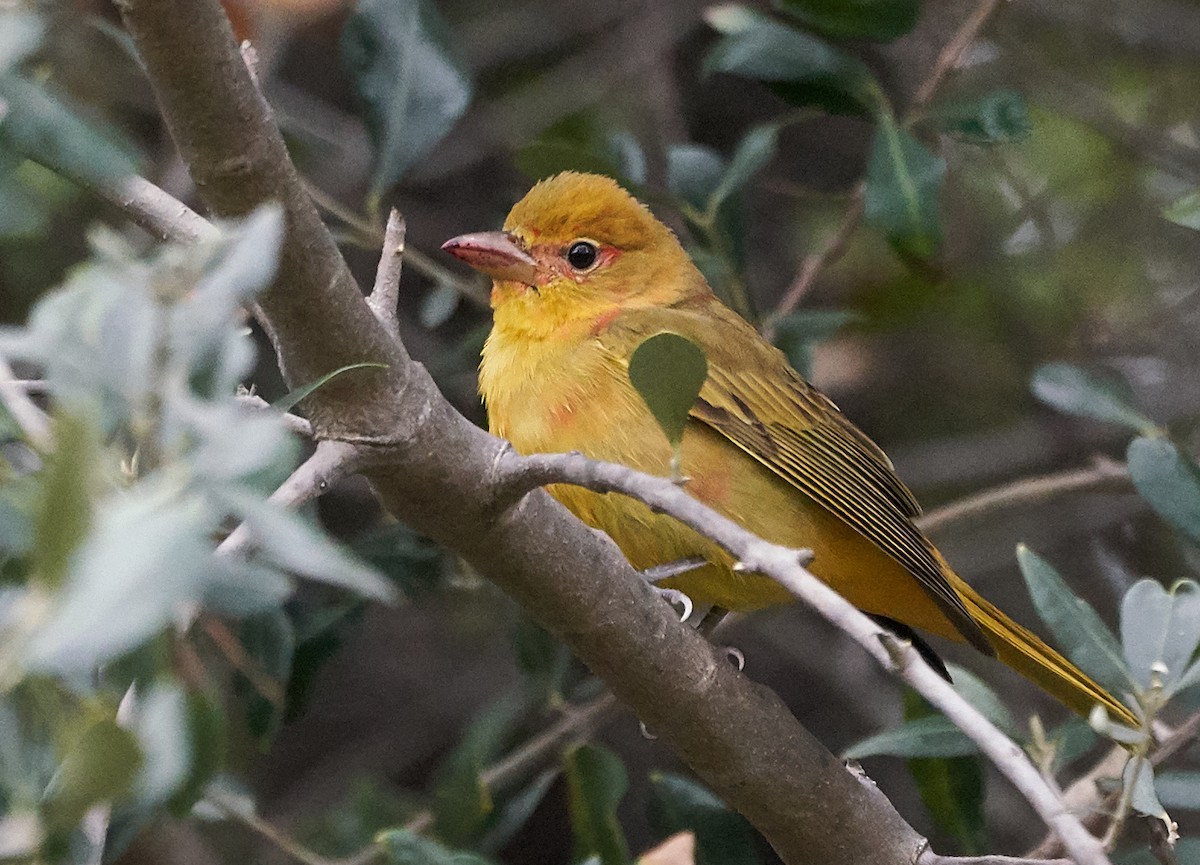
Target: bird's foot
666	571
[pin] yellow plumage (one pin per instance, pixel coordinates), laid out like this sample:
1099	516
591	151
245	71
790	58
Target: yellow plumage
762	446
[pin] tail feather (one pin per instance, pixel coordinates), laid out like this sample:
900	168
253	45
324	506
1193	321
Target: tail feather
1025	652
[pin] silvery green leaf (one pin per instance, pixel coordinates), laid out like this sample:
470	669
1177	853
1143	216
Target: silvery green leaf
148	557
20	35
1160	631
160	724
286	539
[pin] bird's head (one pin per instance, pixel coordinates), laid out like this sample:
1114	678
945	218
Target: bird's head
577	244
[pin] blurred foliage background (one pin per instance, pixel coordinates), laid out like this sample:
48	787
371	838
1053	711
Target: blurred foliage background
1013	217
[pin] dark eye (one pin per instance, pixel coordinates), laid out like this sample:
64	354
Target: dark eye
582	255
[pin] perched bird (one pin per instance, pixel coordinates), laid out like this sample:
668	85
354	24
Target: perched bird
584	273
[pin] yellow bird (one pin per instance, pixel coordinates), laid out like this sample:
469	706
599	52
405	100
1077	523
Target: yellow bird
583	274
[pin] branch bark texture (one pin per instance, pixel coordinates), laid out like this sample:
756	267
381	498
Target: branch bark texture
736	735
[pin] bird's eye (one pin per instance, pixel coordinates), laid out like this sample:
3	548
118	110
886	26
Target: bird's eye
582	255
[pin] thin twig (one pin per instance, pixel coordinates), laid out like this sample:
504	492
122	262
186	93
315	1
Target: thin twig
31	419
833	248
156	210
385	295
330	462
576	724
233	650
276	836
371	235
300	426
516	474
928	857
1103	474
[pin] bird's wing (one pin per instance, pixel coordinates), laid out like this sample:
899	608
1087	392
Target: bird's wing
759	403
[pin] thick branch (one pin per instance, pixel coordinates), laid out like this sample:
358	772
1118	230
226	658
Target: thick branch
238	160
737	736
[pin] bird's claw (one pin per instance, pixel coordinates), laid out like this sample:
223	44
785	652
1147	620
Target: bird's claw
665	571
673	597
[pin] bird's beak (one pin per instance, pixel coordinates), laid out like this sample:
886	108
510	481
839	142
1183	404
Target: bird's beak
495	253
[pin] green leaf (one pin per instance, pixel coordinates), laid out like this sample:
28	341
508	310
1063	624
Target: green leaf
413	563
1139	776
1079	631
581	142
996	118
903	184
1072	739
798	334
977	692
596	783
693	173
1168	480
1075	391
463	806
44	129
952	790
883	20
100	767
288	540
931	736
1160	629
402	847
668	371
160	724
754	151
723	837
206	734
413	87
290	400
23	212
148	556
512	816
801	68
269	641
1179	788
543	659
63	514
1185	211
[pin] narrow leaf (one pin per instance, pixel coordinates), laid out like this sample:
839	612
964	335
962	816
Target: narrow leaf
998	117
723	837
904	182
285	538
754	151
290	400
952	790
63	513
43	128
1168	480
1075	391
855	19
1179	788
668	371
803	69
596	783
402	847
931	736
413	87
1083	637
1185	211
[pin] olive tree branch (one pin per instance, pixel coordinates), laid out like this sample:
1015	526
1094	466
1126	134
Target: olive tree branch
31	419
515	475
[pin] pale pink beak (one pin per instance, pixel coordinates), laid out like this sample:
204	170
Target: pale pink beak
495	253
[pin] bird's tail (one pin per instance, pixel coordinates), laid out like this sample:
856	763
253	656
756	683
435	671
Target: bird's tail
1025	652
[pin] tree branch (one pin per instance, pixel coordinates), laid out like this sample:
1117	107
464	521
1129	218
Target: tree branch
1103	474
574	582
515	474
